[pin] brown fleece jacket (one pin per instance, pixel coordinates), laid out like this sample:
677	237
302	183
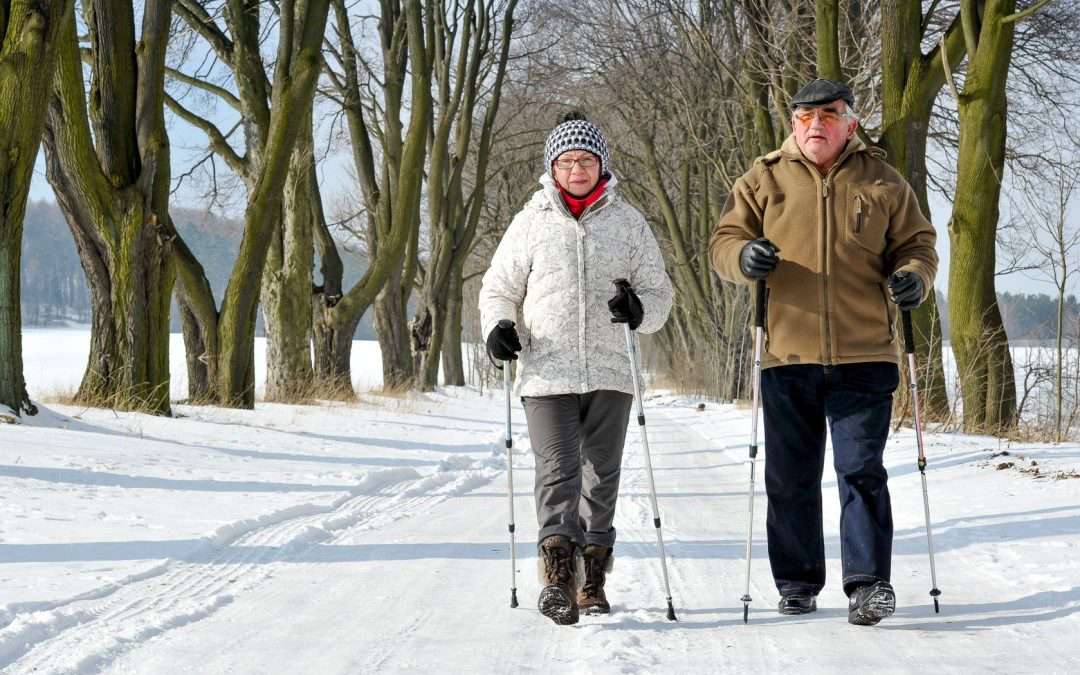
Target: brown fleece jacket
840	237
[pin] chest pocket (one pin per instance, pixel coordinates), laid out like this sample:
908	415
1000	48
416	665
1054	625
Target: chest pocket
867	218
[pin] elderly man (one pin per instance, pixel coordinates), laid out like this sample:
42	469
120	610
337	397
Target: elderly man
837	234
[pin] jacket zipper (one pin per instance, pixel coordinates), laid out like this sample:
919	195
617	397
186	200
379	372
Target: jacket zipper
825	273
858	214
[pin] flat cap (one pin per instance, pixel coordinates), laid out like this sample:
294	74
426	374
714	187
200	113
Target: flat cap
820	92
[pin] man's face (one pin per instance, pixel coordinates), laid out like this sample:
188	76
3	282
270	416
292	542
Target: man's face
822	131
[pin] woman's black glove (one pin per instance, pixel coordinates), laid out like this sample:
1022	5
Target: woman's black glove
503	342
906	290
626	305
758	258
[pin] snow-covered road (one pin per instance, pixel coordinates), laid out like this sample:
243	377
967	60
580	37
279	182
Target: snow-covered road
372	538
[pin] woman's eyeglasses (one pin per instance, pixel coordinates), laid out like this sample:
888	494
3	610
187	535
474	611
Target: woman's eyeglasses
583	162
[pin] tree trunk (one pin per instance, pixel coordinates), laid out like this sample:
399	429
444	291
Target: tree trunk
29	32
286	287
453	367
428	326
978	335
910	83
1059	359
200	389
333	353
199	322
392	329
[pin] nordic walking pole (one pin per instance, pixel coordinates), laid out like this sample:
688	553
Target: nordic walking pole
505	367
631	350
759	331
909	347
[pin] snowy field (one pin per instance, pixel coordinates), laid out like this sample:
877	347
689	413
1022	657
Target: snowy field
372	538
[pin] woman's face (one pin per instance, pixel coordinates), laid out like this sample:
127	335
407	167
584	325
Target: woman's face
577	171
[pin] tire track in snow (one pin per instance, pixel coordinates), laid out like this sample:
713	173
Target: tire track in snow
86	633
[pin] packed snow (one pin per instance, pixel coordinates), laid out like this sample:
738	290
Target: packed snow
372	537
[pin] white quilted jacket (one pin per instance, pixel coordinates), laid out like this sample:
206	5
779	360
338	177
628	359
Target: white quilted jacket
558	272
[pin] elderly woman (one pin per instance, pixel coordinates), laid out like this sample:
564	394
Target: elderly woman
555	266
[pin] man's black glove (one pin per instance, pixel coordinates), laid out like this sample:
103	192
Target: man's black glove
503	342
758	258
626	305
906	290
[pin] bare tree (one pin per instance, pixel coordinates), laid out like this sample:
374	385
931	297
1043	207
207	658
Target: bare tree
274	110
388	157
109	166
1053	240
470	60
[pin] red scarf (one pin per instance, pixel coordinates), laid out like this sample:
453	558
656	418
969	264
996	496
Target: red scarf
577	205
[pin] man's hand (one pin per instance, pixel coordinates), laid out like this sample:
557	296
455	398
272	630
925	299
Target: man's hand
906	290
626	305
503	342
758	258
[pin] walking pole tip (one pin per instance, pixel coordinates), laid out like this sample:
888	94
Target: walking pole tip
513	598
670	611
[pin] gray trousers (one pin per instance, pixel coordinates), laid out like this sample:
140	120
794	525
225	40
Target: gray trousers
577	440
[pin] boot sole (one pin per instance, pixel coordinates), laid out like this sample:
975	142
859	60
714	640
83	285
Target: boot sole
557	605
880	605
588	611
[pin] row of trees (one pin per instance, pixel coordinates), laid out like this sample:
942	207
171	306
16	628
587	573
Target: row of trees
436	104
698	88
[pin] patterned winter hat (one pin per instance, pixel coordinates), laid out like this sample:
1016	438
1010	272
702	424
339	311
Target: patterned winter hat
576	133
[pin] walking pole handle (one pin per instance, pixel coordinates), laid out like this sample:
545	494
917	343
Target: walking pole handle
909	335
759	304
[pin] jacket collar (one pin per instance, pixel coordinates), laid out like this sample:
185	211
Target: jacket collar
549	196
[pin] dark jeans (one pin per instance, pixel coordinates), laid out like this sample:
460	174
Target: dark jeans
856	400
577	440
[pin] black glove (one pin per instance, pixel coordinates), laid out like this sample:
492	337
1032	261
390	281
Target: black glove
906	290
758	258
626	305
503	342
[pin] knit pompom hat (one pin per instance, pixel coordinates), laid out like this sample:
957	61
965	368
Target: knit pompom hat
576	133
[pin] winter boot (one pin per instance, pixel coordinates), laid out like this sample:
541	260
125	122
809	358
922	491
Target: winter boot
797	603
598	562
869	604
559	575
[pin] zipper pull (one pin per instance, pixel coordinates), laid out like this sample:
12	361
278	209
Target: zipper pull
825	189
858	214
